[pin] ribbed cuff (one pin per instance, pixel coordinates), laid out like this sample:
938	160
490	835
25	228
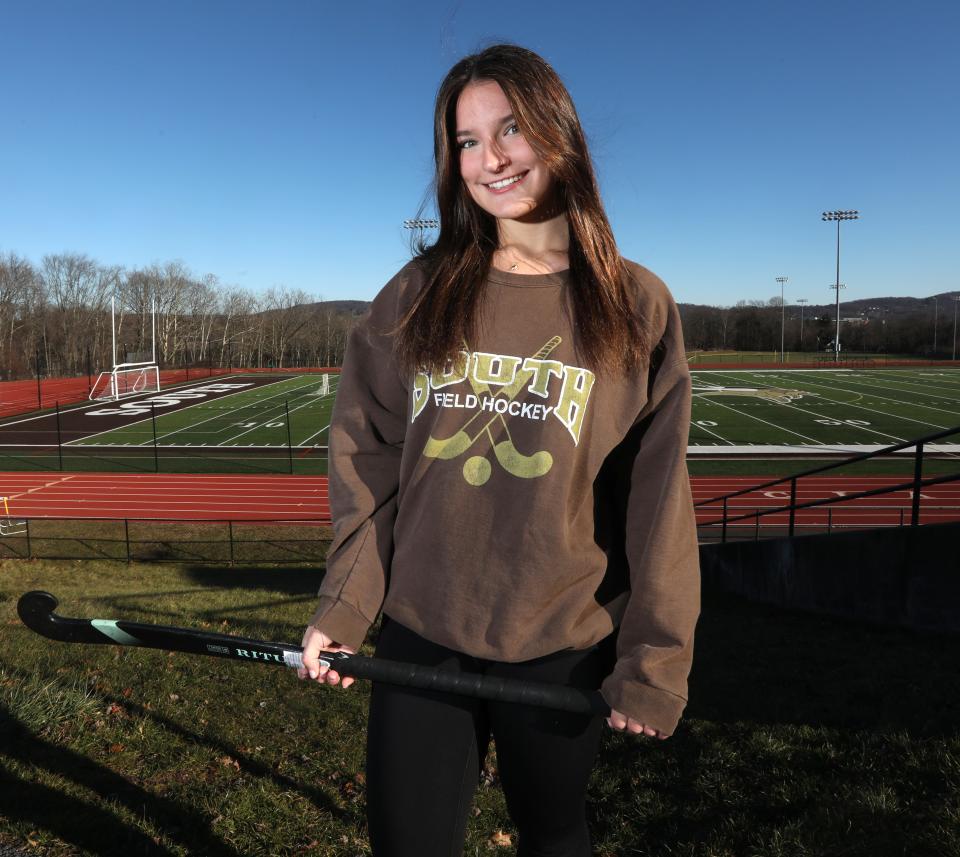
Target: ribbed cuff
341	622
643	703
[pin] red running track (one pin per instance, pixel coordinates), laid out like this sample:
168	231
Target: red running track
165	496
938	503
281	497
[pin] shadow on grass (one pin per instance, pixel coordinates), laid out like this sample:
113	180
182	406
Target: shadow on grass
766	665
83	823
805	735
295	581
89	826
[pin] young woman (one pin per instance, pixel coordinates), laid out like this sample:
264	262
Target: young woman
508	479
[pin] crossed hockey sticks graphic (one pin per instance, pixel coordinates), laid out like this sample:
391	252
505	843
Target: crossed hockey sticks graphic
477	469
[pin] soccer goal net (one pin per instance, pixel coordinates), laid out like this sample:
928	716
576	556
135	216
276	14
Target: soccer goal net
125	380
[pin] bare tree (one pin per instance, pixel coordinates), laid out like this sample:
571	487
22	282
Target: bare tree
287	312
78	290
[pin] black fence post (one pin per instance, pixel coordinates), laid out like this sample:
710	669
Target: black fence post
286	408
230	533
723	534
153	422
39	392
126	536
917	477
89	372
793	503
59	438
29	548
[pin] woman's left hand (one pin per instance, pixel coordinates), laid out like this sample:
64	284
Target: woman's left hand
622	723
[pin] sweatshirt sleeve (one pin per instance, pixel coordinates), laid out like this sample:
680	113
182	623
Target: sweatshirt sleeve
366	443
655	641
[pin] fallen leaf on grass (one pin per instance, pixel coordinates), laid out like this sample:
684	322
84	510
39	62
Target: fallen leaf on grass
228	762
501	839
115	748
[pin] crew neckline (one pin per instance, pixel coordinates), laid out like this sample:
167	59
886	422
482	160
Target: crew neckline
508	278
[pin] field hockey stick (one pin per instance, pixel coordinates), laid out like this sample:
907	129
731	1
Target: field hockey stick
36	612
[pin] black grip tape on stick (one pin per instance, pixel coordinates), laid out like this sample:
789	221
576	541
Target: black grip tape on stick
36	610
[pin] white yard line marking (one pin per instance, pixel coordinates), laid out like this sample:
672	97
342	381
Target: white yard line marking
312	436
761	420
715	434
230	411
101	404
287	412
859	407
84	441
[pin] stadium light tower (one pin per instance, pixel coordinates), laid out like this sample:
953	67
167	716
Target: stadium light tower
801	301
838	216
782	280
836	343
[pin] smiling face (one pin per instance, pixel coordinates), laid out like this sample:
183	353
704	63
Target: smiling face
502	173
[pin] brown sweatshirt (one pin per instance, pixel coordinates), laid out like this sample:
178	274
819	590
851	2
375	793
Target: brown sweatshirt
518	505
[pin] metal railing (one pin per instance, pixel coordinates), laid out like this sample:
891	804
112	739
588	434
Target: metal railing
916	484
281	541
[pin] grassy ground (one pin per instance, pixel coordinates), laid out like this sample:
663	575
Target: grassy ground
166	541
307	461
804	736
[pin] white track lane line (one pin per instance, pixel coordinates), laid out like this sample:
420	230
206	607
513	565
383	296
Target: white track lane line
39	488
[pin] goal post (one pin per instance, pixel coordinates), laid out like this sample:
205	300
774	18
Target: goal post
323	389
139	374
126	379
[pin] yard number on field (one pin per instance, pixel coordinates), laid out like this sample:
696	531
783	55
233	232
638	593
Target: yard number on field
855	423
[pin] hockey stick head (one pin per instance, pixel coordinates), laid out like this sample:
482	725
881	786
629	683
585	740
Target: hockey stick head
36	612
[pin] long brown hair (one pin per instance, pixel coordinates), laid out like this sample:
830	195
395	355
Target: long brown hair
611	336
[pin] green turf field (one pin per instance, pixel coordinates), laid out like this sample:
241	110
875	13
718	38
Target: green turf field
791	408
770	414
830	408
286	412
711	357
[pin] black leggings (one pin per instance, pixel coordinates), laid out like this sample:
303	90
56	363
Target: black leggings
425	748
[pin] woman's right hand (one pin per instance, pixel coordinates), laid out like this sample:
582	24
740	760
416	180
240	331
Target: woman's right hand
314	642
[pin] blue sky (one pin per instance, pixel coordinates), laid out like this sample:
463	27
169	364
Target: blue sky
283	143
